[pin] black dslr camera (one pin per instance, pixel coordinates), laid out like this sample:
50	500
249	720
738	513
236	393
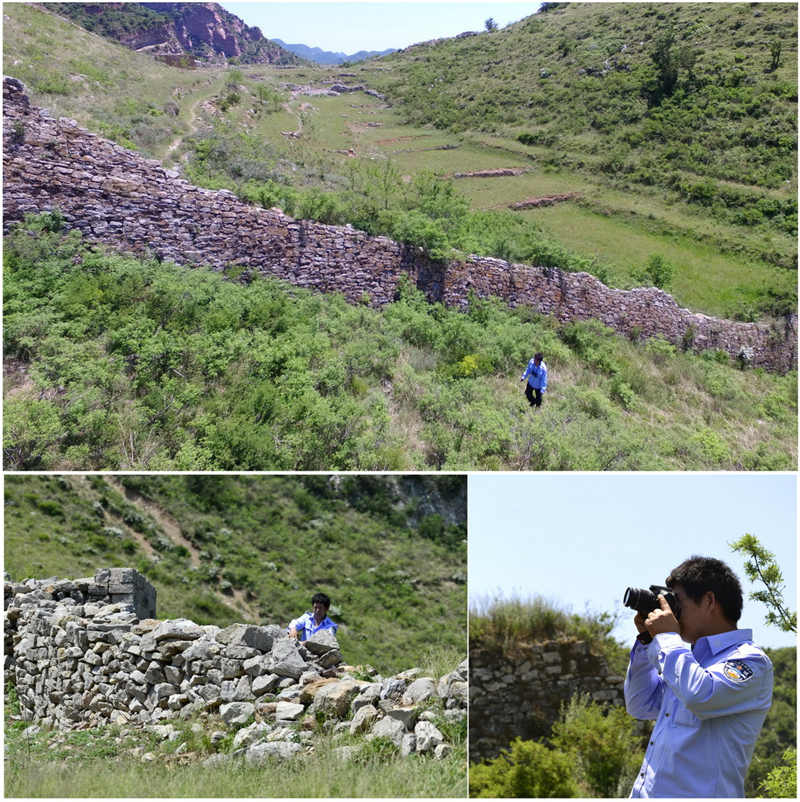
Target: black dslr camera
645	601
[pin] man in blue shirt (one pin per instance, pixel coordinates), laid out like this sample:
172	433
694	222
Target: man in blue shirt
709	699
536	374
314	620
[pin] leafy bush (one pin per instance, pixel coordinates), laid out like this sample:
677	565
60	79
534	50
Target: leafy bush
527	769
599	743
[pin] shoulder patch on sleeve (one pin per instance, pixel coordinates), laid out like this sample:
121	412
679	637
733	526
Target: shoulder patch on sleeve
737	670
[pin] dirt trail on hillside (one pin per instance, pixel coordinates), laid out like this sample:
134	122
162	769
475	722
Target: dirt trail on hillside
173	531
194	127
166	522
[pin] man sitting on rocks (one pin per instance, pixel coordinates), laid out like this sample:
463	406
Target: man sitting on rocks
314	620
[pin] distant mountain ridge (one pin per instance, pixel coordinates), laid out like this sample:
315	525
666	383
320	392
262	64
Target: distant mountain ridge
205	31
320	56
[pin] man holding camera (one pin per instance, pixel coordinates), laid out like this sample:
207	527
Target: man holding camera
710	698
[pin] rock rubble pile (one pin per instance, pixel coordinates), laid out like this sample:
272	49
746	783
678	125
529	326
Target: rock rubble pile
81	655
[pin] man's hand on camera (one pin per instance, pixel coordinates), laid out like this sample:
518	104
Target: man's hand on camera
639	621
662	620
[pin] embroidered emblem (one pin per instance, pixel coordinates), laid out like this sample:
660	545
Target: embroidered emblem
737	671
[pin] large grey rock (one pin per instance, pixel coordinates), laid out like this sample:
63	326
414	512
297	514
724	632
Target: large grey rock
247	736
368	696
237	712
428	736
363	719
286	660
419	691
265	684
177	629
407	715
321	642
288	711
284	750
334	699
389	728
260	638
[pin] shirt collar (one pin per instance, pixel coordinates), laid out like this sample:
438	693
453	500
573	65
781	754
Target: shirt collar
717	643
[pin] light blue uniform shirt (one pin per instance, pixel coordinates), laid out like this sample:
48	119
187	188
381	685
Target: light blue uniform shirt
306	626
709	703
536	375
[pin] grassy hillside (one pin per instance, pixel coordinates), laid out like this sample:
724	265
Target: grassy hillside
112	363
729	246
222	549
698	101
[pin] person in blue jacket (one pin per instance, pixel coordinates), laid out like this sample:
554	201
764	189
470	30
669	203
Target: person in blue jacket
314	620
705	683
536	374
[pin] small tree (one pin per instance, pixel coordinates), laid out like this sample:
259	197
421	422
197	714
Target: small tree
775	49
658	271
490	24
762	567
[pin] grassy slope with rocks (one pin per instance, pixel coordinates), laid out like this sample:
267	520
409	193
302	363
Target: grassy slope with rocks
498	624
226	549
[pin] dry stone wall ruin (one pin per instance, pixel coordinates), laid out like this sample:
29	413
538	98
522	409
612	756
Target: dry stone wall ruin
519	694
89	652
133	204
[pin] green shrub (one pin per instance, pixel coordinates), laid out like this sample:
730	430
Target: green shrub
781	782
600	743
527	769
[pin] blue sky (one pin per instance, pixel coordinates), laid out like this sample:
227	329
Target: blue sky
347	27
581	539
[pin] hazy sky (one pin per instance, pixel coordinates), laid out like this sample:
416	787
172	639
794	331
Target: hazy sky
583	538
347	27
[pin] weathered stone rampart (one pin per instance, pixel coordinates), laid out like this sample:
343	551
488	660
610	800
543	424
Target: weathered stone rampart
520	693
133	204
89	652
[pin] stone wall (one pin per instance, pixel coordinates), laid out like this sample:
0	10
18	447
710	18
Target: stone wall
133	204
520	694
80	654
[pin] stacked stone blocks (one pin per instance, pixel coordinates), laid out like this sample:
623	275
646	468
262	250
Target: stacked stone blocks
117	197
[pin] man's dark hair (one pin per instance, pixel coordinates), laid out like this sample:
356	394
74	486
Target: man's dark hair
538	355
322	599
698	575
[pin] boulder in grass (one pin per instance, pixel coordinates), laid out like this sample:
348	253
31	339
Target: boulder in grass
334	699
419	690
237	712
260	638
283	750
389	728
428	736
288	711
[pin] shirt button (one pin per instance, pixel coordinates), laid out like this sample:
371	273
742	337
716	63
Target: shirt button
666	714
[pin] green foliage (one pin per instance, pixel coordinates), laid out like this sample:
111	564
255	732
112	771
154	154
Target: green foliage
658	271
118	363
599	744
762	567
781	782
527	769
